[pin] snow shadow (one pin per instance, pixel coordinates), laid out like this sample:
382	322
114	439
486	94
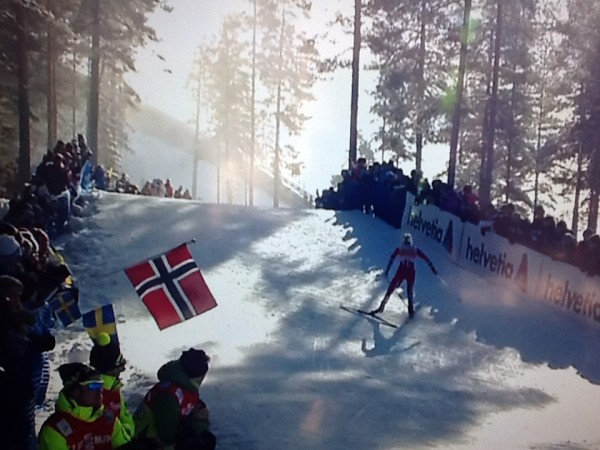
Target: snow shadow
497	315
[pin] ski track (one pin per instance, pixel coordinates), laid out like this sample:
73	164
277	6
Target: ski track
289	368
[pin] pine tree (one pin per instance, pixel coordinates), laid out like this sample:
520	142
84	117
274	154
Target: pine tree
228	90
115	28
413	48
574	150
197	84
458	94
589	125
548	91
286	67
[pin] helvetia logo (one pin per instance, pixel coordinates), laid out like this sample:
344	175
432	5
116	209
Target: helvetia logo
432	230
498	264
564	295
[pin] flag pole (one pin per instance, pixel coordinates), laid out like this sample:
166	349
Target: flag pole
113	272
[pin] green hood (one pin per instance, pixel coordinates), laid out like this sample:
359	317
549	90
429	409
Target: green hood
85	413
173	372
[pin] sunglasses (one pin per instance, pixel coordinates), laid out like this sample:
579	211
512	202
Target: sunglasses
92	385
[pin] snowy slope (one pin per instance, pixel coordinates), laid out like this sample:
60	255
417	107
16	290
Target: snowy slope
474	370
157	157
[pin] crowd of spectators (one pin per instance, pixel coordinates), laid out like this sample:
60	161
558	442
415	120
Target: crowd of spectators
158	188
31	272
380	190
105	180
89	411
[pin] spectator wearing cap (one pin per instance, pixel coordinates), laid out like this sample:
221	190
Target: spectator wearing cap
79	421
172	410
107	359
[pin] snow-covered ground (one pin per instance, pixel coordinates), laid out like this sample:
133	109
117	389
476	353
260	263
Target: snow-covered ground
290	370
156	158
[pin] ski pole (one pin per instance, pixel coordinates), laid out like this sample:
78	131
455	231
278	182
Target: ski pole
401	298
442	280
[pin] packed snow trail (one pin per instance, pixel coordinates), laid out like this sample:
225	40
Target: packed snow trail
291	370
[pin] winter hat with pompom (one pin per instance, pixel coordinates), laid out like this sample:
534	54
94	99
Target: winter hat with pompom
106	354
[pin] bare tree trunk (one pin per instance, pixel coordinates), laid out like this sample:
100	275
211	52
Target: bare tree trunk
23	94
578	187
421	87
74	93
352	151
383	130
593	216
593	175
197	136
277	159
486	108
219	171
536	186
252	113
510	140
488	144
52	120
460	84
94	92
228	170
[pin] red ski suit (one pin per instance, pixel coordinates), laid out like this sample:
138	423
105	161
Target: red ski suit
406	268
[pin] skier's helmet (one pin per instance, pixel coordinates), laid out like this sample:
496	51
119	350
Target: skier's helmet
408	239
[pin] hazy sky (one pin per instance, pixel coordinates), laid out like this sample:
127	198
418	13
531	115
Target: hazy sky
323	145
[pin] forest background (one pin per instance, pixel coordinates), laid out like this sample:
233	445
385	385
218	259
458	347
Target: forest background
519	117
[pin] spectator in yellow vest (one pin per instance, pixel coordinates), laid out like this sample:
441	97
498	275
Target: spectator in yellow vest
79	420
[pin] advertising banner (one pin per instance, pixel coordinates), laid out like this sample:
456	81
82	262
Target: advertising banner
438	228
568	288
410	201
493	256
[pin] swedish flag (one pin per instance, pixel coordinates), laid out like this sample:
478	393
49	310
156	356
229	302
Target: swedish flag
101	320
65	305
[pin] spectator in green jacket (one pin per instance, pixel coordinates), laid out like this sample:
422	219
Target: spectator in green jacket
172	410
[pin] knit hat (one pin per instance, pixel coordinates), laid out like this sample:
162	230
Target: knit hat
73	374
106	354
194	362
10	250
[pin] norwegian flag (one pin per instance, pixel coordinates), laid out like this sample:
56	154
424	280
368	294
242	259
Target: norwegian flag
172	287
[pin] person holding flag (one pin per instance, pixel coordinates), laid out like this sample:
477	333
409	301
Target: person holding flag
107	359
407	253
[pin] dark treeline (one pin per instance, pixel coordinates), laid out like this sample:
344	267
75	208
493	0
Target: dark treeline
62	68
510	85
524	117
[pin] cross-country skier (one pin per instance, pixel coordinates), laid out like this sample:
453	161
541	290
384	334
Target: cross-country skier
407	253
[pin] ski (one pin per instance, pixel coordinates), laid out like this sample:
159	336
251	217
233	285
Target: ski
362	312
